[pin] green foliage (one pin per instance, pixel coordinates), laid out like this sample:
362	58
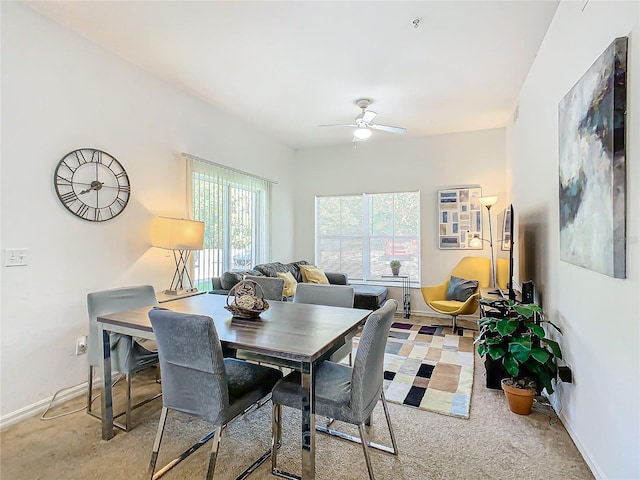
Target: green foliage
395	264
340	215
394	214
388	214
227	212
514	336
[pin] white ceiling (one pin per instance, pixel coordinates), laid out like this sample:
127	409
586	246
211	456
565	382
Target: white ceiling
288	67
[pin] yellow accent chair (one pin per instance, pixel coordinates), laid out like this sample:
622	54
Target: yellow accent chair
469	268
502	273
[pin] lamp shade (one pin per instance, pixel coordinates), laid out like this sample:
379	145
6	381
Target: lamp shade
475	242
177	234
489	201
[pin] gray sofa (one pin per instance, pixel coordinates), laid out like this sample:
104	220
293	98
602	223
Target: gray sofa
366	296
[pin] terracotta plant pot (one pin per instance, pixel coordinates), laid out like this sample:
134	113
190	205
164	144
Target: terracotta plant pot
520	399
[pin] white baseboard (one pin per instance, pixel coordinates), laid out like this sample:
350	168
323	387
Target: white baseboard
41	406
597	473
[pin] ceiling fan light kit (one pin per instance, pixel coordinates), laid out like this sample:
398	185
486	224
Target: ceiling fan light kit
363	123
362	133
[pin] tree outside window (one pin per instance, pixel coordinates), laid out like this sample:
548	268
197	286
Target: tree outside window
361	234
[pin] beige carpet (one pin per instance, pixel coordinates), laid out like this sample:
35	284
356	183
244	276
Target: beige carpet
492	444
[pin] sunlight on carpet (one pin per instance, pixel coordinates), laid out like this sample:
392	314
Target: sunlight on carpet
429	367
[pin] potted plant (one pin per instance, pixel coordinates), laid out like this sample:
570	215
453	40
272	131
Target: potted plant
512	335
395	267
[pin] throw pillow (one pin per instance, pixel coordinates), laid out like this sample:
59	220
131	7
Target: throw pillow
290	283
312	274
461	289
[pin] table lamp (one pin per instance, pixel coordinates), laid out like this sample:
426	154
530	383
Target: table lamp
476	241
182	237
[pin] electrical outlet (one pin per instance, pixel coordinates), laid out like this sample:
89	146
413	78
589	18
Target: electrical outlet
81	345
565	373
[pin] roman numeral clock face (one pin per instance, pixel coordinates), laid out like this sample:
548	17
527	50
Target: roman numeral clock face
92	184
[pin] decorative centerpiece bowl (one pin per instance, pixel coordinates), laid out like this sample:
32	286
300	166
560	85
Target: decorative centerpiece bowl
248	300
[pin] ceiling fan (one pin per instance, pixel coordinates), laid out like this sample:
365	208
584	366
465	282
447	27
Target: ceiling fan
363	123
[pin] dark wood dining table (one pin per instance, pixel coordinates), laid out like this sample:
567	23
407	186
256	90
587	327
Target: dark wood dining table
301	334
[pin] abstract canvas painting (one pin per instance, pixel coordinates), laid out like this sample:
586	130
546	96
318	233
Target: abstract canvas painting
592	166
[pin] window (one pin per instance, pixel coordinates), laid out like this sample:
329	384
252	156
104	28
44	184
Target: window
235	209
361	234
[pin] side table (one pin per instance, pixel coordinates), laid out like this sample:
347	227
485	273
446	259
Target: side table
406	293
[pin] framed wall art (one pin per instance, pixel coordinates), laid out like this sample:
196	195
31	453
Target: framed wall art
459	217
506	229
592	166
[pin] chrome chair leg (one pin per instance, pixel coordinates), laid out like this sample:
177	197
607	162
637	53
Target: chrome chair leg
365	449
330	421
453	327
259	404
276	441
279	437
216	434
388	417
156	443
127	411
90	390
352	438
127	419
276	434
193	448
263	402
214	453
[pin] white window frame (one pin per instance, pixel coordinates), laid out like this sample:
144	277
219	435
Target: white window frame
366	237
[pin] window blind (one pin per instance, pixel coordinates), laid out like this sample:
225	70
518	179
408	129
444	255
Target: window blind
235	208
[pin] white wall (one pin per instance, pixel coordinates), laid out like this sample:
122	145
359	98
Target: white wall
599	315
61	92
403	164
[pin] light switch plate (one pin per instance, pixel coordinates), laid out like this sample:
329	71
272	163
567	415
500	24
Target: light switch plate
15	257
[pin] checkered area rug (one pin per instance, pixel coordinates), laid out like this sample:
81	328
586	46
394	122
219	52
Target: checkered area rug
429	368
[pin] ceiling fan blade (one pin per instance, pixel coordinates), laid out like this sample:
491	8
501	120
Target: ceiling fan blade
388	128
368	116
339	125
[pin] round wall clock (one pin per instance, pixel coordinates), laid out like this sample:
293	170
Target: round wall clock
92	184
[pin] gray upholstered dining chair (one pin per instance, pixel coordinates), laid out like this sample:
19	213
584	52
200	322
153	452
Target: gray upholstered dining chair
272	287
334	296
128	355
198	381
348	394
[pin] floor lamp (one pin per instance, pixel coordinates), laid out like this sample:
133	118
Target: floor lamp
182	237
476	241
